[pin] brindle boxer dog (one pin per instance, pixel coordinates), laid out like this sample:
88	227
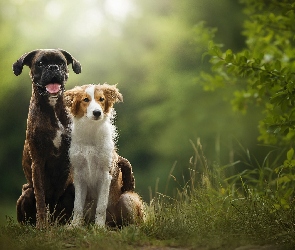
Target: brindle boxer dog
45	157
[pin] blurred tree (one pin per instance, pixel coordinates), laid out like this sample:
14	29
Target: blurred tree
153	50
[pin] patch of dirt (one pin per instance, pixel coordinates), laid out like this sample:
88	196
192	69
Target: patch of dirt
249	247
252	247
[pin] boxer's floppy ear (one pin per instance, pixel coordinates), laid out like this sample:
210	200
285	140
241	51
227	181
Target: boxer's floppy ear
76	66
25	59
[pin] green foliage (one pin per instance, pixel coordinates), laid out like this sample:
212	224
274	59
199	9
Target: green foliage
264	70
264	75
285	181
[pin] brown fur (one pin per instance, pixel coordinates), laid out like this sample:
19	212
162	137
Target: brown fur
46	167
125	205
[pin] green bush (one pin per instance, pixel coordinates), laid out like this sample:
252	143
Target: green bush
264	70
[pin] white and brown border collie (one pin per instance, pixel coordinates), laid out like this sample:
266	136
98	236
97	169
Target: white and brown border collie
103	180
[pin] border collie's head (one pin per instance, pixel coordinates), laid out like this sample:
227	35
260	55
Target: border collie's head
92	101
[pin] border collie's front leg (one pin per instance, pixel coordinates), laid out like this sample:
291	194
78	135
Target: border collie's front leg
103	198
80	197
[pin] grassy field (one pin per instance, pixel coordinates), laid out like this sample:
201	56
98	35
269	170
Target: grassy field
205	213
204	220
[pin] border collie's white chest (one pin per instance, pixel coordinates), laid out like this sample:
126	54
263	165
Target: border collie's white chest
92	149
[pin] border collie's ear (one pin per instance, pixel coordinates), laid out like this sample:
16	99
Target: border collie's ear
112	92
119	97
25	59
69	98
72	100
76	66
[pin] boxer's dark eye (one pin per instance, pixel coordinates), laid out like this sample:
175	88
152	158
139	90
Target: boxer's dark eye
86	99
40	64
101	99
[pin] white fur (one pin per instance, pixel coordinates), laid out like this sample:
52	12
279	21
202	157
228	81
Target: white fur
93	105
52	100
57	139
91	155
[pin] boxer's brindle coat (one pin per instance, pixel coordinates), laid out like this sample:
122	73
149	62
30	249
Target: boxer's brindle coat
45	157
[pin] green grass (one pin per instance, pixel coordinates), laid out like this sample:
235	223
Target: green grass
205	220
207	212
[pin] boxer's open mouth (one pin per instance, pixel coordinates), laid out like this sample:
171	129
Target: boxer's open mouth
53	88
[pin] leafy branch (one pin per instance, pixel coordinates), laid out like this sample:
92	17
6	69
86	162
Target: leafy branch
264	71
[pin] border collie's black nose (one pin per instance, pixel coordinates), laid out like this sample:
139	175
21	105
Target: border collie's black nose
96	113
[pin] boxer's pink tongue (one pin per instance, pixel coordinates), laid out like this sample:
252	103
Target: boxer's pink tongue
53	88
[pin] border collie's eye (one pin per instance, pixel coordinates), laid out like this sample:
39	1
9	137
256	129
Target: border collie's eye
101	99
86	99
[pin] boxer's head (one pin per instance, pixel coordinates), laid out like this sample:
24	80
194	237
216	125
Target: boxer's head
49	71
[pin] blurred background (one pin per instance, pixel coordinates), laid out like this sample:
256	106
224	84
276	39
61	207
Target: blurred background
153	50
